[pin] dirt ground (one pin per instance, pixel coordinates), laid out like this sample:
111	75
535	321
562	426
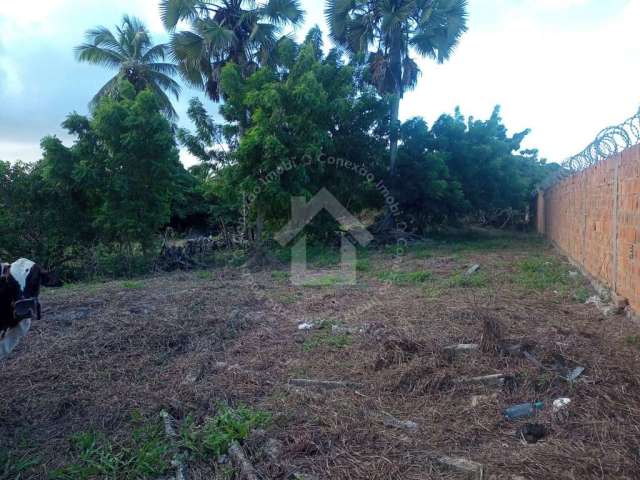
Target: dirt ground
186	342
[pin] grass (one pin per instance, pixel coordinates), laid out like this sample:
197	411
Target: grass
462	280
280	275
15	467
215	436
205	275
405	278
145	455
324	338
582	294
324	281
633	341
132	285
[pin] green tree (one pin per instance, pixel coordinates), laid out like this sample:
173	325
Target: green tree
389	32
299	118
225	31
125	163
490	165
429	195
132	53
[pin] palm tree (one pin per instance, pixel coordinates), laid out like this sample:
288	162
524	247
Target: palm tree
389	32
137	60
223	31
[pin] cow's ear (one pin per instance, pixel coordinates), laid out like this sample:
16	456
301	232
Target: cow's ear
50	279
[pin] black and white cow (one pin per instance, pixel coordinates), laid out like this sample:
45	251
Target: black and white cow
19	290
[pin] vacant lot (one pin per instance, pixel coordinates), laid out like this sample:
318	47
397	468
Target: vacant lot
82	397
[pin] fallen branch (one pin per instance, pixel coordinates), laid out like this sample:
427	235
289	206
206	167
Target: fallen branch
170	431
496	380
326	385
462	348
240	460
393	422
471	470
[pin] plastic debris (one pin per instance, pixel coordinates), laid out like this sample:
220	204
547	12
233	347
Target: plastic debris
523	411
560	404
473	270
306	326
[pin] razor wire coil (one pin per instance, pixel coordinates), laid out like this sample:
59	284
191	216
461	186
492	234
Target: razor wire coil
609	142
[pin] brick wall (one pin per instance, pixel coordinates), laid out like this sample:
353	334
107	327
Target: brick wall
594	217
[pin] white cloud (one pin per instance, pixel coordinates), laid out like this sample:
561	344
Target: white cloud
565	82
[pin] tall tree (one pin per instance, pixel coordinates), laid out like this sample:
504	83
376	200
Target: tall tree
222	31
387	33
131	51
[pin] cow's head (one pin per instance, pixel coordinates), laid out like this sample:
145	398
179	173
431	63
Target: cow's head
19	290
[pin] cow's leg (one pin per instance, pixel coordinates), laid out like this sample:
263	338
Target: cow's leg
13	337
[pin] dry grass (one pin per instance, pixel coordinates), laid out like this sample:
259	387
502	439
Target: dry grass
185	344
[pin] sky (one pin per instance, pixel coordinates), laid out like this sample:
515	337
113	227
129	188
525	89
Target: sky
563	68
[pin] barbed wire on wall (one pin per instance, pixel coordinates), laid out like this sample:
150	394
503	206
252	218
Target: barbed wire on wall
610	141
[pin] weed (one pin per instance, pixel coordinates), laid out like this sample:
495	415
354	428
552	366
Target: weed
633	341
205	275
363	265
324	281
324	339
218	433
131	285
542	273
462	280
280	275
581	295
145	455
13	466
424	254
405	278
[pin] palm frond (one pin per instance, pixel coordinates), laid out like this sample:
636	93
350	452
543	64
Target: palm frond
155	53
99	56
217	37
102	37
166	68
410	73
264	35
172	11
164	102
283	12
165	82
337	14
109	89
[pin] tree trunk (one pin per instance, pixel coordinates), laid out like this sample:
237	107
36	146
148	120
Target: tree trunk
394	133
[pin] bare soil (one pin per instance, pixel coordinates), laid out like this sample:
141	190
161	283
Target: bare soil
188	341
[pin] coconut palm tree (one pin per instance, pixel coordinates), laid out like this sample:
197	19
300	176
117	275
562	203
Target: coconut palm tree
131	52
221	31
387	33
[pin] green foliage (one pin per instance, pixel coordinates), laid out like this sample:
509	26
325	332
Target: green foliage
326	115
138	61
240	32
325	339
488	164
216	435
386	33
405	278
101	201
131	285
145	455
542	273
15	466
633	341
462	280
